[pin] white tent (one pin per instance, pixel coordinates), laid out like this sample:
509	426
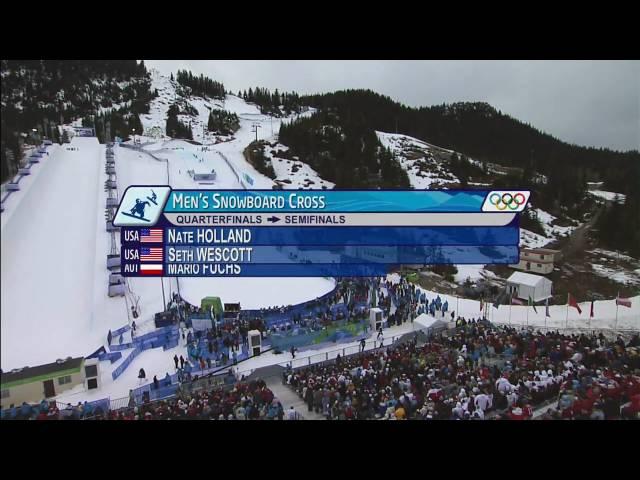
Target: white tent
525	285
429	324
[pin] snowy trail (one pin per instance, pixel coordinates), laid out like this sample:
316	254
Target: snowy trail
46	311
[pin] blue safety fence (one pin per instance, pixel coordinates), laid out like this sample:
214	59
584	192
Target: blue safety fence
166	337
123	366
306	308
120	331
92	408
172	344
158	338
165	389
336	333
200	349
111	356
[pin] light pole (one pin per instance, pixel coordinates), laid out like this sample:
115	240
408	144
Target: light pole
255	129
34	134
164	300
133	130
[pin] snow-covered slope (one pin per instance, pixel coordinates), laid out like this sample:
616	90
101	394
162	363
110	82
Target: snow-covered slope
608	196
417	159
294	174
548	221
48	272
230	147
532	240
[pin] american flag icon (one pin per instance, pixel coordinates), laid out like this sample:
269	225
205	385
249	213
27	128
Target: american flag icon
151	254
151	235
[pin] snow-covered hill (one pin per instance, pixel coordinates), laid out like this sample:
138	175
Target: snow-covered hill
54	300
219	147
417	159
293	174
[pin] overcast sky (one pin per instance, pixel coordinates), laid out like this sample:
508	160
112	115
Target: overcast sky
593	103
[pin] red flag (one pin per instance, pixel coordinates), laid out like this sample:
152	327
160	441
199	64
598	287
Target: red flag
481	305
625	302
515	301
591	314
573	303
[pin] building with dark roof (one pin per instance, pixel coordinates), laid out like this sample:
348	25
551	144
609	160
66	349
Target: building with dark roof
32	384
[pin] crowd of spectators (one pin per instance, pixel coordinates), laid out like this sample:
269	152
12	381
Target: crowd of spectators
346	302
480	372
244	401
47	410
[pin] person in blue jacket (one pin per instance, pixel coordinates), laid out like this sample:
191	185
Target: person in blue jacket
167	379
44	405
25	410
87	409
273	411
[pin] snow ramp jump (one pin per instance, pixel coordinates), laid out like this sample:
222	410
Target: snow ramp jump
48	257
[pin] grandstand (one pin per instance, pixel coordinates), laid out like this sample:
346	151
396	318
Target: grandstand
470	370
477	371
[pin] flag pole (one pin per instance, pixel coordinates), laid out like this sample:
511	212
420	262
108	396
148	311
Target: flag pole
566	324
510	303
616	325
527	320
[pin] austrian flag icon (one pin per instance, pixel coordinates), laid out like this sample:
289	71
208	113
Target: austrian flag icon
151	269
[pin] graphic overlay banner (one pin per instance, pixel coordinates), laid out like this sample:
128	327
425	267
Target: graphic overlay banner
311	233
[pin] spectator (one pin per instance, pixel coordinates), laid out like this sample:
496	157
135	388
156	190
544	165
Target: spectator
291	413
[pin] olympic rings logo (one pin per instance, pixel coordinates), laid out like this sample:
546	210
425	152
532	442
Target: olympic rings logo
507	200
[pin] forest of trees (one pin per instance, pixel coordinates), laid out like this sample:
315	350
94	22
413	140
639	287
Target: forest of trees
254	153
222	122
200	85
464	170
343	150
175	128
619	227
276	104
115	123
485	134
44	94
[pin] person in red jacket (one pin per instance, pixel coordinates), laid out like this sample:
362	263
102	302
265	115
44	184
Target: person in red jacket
631	410
517	413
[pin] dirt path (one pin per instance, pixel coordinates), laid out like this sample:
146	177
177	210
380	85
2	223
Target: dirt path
577	242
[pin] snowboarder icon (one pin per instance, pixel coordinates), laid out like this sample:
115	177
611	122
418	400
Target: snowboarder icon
138	208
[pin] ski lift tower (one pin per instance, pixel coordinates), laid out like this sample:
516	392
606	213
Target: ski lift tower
256	126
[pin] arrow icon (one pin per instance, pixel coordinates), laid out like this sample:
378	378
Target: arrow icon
273	219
